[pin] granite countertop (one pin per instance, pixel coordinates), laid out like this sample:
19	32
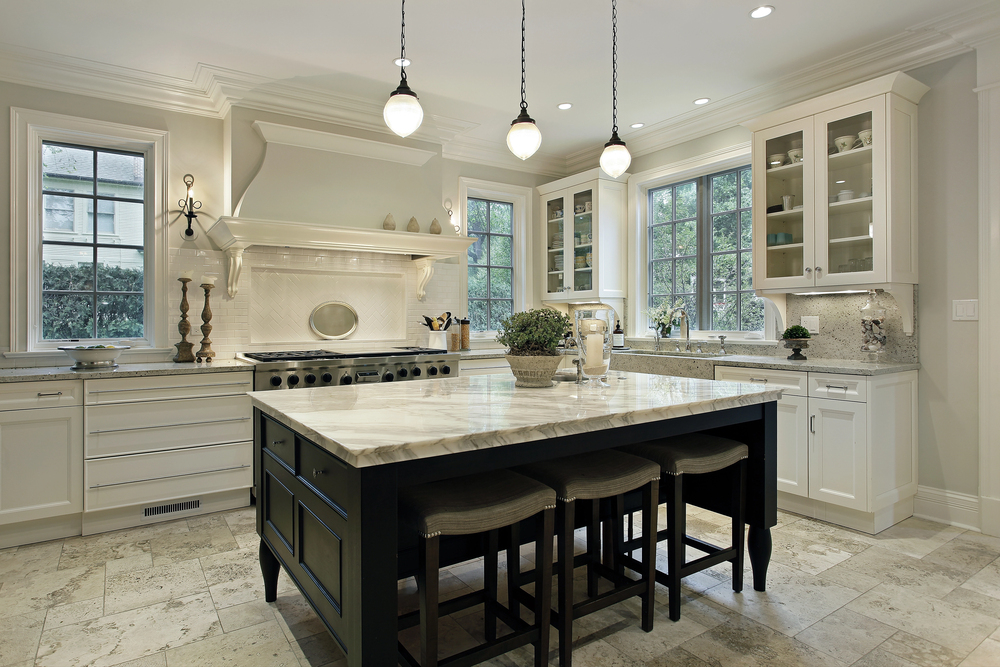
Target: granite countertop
491	353
438	417
123	370
843	366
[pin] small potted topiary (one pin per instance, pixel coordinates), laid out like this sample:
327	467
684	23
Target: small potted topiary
531	338
796	339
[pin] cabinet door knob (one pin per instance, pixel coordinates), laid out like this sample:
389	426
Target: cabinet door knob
317	473
808	270
818	269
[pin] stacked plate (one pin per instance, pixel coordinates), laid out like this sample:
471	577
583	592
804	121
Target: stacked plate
557	240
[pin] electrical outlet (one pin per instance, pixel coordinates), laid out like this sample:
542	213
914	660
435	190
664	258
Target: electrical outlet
965	309
810	322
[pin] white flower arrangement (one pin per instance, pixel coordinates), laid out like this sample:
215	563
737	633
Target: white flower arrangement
665	314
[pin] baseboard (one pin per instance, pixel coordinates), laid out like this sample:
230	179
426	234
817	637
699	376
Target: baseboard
118	518
40	530
956	509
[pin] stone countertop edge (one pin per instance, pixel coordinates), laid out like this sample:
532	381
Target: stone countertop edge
492	353
123	370
842	366
399	451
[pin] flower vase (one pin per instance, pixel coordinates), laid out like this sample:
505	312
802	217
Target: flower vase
665	330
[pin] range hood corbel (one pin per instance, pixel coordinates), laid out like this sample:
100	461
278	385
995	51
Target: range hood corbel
234	235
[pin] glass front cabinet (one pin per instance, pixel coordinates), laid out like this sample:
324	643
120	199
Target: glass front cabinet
583	232
834	189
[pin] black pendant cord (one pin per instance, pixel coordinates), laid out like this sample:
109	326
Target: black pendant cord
402	42
524	103
614	67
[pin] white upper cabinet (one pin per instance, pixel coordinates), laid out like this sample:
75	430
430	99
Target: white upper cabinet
834	200
583	232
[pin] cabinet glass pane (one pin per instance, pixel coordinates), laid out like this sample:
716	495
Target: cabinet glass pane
783	192
555	239
849	208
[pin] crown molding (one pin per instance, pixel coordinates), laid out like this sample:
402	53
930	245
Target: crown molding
495	154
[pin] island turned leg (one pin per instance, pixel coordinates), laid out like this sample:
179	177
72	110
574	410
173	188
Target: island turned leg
759	547
270	568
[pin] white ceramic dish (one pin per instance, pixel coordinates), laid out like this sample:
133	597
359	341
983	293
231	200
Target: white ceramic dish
87	358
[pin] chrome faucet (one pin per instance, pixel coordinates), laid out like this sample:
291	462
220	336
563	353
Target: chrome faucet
722	344
656	338
686	331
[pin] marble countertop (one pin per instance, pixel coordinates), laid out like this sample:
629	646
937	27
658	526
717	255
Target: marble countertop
842	366
438	417
123	370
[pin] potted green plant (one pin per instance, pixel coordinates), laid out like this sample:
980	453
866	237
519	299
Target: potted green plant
661	318
796	339
531	338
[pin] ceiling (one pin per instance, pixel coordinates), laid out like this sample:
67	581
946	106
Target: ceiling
466	54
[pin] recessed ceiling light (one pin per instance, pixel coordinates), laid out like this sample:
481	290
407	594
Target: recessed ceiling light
565	105
761	12
702	100
401	62
636	126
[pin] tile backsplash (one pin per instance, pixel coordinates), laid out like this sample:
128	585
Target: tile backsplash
279	287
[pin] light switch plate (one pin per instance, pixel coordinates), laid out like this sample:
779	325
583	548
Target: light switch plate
965	309
810	322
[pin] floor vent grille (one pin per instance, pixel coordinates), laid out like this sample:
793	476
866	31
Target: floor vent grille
173	507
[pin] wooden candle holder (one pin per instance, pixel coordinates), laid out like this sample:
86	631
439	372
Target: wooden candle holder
184	353
206	352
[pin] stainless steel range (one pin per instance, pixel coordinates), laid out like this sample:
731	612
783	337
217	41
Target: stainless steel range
323	368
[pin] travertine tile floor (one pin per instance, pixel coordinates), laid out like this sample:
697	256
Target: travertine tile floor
189	593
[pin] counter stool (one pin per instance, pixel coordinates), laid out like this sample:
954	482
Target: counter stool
592	477
696	454
480	503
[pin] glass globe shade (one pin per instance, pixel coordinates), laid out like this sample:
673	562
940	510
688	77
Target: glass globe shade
615	160
523	139
403	113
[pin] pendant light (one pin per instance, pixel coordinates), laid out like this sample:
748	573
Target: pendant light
523	139
615	159
402	113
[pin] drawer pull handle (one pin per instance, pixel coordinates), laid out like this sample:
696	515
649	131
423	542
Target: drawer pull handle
761	380
275	443
183	474
180	386
143	428
837	386
812	423
42	394
317	473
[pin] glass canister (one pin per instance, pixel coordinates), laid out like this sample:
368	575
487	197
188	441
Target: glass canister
593	341
872	327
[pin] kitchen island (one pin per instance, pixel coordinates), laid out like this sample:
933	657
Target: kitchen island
329	462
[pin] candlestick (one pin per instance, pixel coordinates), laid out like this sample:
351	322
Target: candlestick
184	327
206	352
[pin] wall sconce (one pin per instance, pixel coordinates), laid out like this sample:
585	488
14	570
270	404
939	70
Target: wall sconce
451	217
189	206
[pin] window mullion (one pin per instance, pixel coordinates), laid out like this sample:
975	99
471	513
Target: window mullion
704	294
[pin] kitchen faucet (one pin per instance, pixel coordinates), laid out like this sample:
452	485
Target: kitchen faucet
686	331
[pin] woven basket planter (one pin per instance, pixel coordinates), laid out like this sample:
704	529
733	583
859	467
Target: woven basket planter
533	371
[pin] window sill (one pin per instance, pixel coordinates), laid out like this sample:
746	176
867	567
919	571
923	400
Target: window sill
59	354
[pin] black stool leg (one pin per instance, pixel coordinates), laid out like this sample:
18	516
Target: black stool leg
618	531
676	528
739	510
650	503
593	546
543	586
514	570
565	521
427	588
490	567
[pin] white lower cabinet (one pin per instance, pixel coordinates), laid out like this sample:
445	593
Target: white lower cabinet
847	444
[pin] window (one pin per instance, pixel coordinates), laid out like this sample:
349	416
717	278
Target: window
491	263
699	250
89	245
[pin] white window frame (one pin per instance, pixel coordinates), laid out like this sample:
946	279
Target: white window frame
29	128
639	185
520	198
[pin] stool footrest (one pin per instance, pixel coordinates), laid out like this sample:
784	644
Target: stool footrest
447	607
481	653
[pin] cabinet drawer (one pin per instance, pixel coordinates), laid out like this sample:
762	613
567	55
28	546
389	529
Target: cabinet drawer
151	388
325	472
131	428
279	441
148	478
844	387
792	383
48	394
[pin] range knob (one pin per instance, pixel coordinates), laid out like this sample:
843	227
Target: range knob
388	377
416	371
275	381
403	372
293	380
345	380
310	378
446	370
327	377
432	370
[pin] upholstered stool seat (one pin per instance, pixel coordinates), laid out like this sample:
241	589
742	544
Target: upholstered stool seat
480	503
592	477
696	454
